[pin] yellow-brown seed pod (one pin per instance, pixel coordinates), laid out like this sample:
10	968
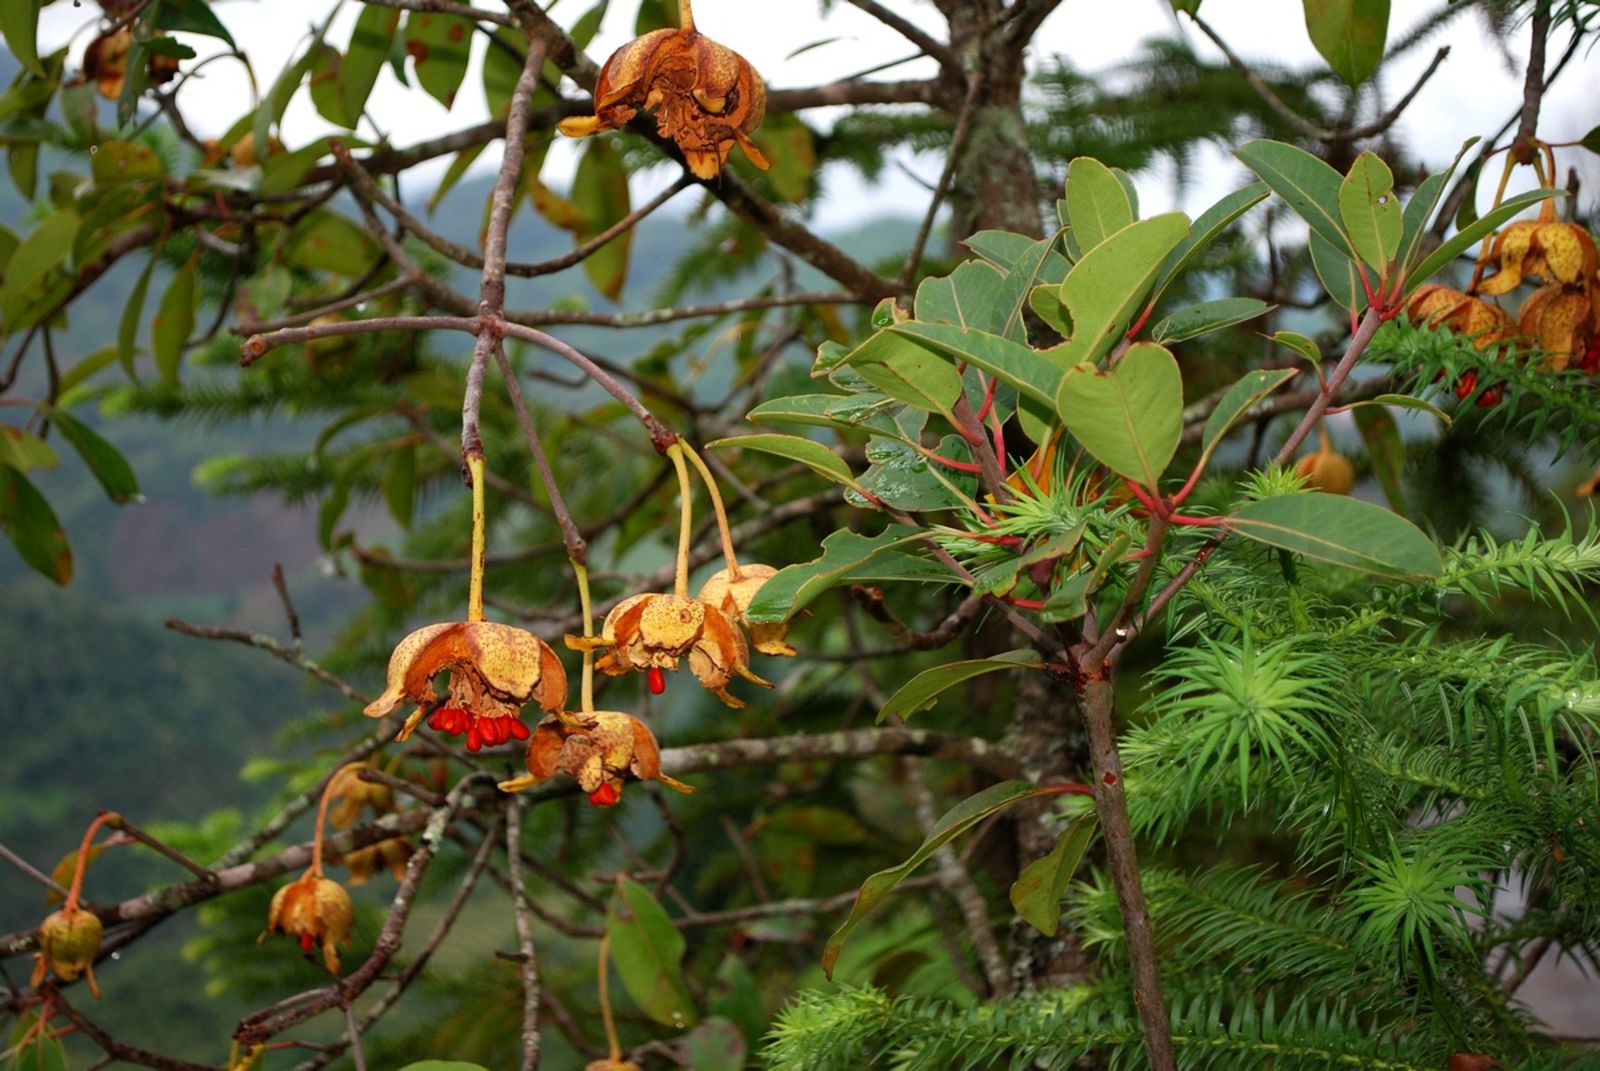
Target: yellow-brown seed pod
313	910
733	597
1328	471
69	941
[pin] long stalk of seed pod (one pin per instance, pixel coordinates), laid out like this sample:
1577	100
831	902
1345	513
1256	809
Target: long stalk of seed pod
685	519
475	583
614	1046
1324	440
716	504
587	695
686	14
75	890
1488	239
336	781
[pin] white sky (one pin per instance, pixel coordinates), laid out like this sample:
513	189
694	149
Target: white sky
1470	95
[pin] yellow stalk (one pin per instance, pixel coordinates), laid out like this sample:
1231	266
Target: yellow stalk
605	1004
686	519
1323	439
686	14
475	585
721	510
322	816
1488	239
587	700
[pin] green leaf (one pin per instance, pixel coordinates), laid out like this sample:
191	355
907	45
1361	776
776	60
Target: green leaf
368	51
443	1065
35	269
791	151
1301	344
86	368
327	241
454	173
1207	226
1402	401
125	161
1591	140
1110	284
715	1045
1037	892
922	691
903	478
647	950
1341	530
810	453
174	322
328	89
960	818
1473	233
967	297
41	1053
600	193
907	372
400	484
1371	211
1338	273
501	69
1305	183
1097	205
1242	397
25	451
19	22
1349	34
441	48
1208	316
105	461
846	557
1131	417
1420	208
1386	451
1016	365
31	525
192	16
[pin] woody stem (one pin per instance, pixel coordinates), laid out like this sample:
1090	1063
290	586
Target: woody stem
75	890
721	510
588	631
612	1044
475	584
686	519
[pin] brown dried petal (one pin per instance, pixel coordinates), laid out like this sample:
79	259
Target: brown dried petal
510	662
733	597
106	62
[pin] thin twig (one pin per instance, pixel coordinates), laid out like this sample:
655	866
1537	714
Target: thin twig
123	824
525	946
958	144
911	32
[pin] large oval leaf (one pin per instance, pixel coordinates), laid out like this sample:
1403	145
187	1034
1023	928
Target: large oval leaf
1104	289
1371	211
1097	205
31	525
1036	894
810	453
846	558
1306	184
1130	417
1349	34
648	952
1344	531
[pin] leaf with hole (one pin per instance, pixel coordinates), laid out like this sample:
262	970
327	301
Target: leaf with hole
922	692
960	818
1371	211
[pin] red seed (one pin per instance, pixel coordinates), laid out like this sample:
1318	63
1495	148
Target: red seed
436	719
607	794
502	729
474	739
519	730
307	942
657	680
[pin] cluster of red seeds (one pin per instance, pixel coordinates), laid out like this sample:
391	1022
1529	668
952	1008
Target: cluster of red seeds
480	731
